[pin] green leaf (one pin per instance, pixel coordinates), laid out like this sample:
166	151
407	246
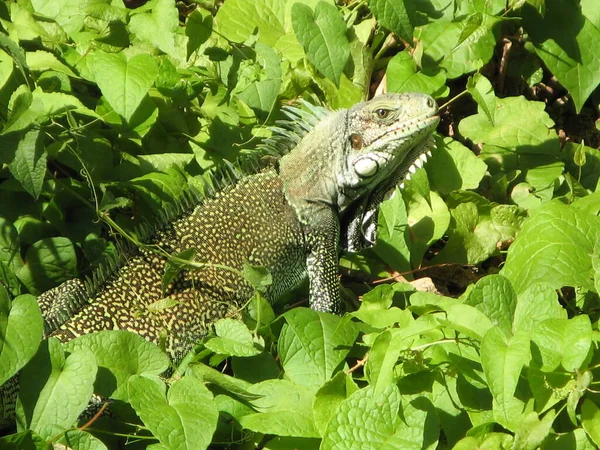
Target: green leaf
453	166
234	339
494	296
121	355
456	46
124	83
543	176
383	356
483	93
17	54
584	379
392	234
418	186
428	221
175	265
589	173
285	409
390	344
80	440
535	304
238	387
21	328
565	40
237	19
257	368
419	428
554	247
533	431
259	277
198	29
512	136
58	389
491	441
29	163
184	418
562	341
330	396
355	427
590	420
394	16
322	33
10	245
21	113
37	107
157	25
466	319
260	89
260	311
549	388
502	359
402	76
478	230
26	440
109	202
160	189
164	161
376	307
313	345
41	61
48	262
66	13
573	440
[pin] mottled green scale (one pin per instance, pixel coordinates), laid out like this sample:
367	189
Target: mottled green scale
250	221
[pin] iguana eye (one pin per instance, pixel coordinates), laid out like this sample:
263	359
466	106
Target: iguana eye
382	113
356	141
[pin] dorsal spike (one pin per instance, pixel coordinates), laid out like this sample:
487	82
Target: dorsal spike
287	133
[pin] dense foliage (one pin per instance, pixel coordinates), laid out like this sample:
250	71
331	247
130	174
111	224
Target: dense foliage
107	112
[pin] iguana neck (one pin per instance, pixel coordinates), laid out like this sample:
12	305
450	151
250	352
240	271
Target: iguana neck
309	171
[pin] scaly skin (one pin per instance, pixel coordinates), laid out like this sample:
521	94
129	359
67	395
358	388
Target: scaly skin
250	222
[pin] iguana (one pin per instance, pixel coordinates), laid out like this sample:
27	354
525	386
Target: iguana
289	217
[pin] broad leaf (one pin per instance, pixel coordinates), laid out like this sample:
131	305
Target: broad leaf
285	409
183	418
121	355
313	345
394	15
565	40
124	82
322	33
554	247
355	427
21	328
59	388
502	358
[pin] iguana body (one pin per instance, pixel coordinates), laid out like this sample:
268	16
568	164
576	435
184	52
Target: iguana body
249	222
285	218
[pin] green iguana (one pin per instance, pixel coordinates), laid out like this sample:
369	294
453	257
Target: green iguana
291	218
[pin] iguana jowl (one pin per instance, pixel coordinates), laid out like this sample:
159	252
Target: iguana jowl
285	218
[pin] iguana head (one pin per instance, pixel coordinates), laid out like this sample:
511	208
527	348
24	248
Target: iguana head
350	152
384	137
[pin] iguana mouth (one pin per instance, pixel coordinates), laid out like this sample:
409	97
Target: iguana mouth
416	158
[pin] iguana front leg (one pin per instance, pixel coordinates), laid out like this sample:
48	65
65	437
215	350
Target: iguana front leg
322	264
